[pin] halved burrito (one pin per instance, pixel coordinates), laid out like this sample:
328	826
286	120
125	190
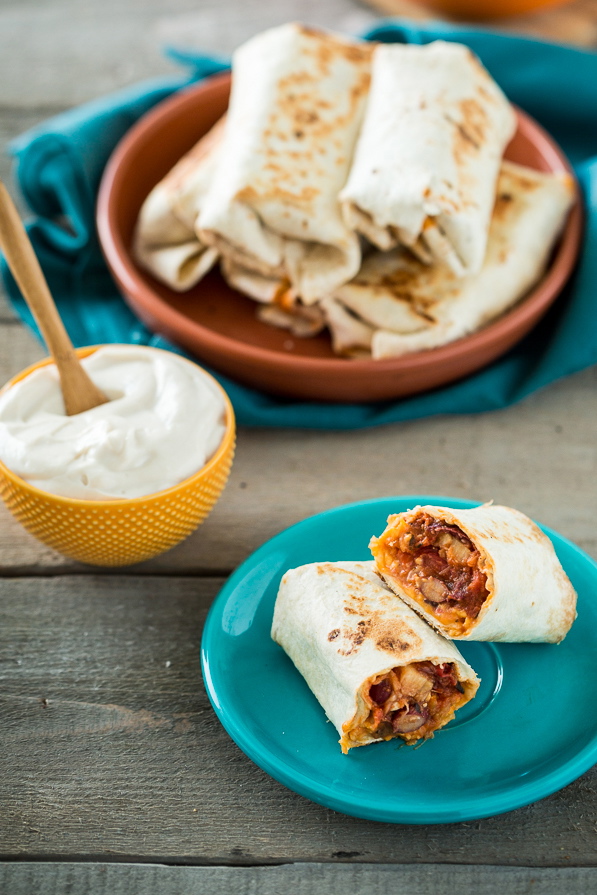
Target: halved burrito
488	573
411	306
376	668
165	241
297	101
427	160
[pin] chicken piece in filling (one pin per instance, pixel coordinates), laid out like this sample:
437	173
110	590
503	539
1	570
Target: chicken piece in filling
437	565
410	702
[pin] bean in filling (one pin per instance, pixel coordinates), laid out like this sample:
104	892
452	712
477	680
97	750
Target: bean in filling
440	562
412	701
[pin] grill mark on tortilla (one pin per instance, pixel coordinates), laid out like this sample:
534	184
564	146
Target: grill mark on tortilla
474	119
305	193
391	645
354	637
306	121
465	140
395	636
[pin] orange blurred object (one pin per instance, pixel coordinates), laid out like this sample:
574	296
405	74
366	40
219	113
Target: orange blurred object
487	9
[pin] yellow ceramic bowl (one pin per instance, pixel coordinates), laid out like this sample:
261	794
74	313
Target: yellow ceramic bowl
124	531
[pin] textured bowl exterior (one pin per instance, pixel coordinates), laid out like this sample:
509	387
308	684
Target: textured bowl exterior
219	325
119	532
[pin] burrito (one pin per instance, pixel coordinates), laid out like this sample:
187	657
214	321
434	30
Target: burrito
412	307
426	163
297	101
165	241
376	668
483	574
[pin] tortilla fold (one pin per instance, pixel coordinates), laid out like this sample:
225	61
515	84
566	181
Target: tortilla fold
413	307
165	241
297	101
427	159
376	668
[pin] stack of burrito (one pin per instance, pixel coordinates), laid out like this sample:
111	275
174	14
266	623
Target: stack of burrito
371	638
353	186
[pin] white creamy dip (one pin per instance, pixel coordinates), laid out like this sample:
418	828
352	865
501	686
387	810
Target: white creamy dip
164	421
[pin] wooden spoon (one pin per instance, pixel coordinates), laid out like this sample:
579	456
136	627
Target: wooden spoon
78	390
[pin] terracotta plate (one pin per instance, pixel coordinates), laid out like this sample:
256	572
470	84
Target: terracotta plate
219	325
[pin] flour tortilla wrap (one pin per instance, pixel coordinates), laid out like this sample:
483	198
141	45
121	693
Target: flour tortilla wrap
297	102
165	241
413	307
487	573
346	632
427	160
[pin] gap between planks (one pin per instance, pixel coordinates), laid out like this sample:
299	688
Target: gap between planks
300	879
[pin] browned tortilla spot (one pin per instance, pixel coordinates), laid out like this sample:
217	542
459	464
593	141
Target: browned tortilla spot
354	637
302	194
474	119
504	203
392	645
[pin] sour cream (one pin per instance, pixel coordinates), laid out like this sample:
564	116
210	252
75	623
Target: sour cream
164	421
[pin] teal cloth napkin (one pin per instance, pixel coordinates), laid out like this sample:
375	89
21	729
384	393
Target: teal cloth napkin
59	165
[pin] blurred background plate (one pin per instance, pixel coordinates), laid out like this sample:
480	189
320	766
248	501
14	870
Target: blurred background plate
219	325
525	735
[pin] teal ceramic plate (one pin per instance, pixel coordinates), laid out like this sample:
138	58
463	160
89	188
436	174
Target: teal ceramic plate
531	730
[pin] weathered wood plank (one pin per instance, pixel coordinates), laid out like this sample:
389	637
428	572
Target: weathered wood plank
300	879
539	456
85	50
110	748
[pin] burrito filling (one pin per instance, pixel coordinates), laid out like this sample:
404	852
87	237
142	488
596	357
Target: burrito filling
438	566
411	702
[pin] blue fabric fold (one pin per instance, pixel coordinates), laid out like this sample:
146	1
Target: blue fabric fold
59	163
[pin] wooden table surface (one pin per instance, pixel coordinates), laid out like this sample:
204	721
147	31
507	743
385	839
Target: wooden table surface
116	775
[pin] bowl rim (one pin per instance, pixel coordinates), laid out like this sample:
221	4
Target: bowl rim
128	276
115	502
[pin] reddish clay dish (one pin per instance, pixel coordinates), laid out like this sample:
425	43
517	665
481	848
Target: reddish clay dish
219	325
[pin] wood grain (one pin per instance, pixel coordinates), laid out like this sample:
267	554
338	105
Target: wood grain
298	879
110	747
84	50
539	456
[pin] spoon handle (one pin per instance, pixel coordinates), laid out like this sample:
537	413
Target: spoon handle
78	390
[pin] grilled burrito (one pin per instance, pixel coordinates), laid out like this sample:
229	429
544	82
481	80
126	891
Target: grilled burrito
297	101
483	574
410	306
165	241
427	160
376	668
